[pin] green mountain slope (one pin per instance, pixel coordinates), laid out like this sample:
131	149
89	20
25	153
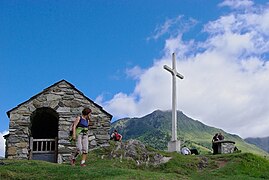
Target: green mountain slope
155	130
262	143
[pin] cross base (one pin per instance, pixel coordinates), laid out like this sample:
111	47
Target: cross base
174	146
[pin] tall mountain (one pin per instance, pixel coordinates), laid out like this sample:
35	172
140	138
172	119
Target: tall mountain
262	143
155	130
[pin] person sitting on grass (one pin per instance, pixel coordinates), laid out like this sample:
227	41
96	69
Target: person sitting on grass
116	136
185	151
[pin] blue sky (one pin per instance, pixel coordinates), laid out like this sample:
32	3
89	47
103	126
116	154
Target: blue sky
114	51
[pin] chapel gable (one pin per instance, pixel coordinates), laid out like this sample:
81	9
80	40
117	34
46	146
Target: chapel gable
39	127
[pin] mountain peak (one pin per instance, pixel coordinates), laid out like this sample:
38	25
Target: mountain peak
154	130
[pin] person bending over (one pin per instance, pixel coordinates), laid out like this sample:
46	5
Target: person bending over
116	136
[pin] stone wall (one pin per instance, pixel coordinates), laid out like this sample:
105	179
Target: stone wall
225	147
68	103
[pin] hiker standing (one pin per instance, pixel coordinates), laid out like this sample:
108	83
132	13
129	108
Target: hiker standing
116	136
220	136
214	144
80	136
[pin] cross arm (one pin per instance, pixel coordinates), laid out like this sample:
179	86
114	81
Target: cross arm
173	72
168	69
179	75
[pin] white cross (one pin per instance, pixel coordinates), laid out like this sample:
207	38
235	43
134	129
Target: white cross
175	74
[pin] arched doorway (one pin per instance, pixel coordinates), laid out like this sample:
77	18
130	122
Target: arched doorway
44	134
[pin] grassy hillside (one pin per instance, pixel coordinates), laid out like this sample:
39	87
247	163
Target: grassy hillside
262	143
155	130
233	166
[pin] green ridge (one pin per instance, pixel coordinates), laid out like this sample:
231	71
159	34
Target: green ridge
155	130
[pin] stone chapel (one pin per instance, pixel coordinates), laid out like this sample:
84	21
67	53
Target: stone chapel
39	127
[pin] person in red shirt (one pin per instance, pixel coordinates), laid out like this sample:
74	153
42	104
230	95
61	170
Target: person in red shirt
116	136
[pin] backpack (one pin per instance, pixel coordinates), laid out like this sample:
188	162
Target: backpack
71	127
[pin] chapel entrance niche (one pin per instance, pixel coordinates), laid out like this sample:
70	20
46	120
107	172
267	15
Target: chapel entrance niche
44	134
44	123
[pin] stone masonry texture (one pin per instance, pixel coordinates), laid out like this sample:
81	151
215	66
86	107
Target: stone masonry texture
67	102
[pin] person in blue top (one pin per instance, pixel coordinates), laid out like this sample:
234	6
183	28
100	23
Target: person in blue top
80	136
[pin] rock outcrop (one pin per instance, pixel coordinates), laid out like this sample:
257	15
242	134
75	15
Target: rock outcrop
136	151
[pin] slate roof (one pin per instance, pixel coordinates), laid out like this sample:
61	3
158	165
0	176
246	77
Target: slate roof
47	89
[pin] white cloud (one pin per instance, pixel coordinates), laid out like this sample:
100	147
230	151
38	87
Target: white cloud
134	72
172	27
165	28
2	143
122	105
225	85
236	4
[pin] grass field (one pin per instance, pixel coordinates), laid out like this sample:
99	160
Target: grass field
230	166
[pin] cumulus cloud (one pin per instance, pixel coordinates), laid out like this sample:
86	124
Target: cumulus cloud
225	83
2	143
